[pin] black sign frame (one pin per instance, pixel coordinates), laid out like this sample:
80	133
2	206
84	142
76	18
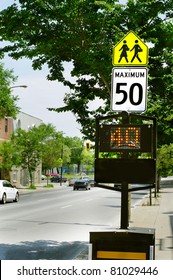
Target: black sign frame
126	137
125	168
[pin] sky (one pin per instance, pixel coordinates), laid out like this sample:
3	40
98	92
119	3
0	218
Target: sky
40	93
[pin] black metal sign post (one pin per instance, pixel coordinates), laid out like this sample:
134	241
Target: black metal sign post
126	137
124	206
124	186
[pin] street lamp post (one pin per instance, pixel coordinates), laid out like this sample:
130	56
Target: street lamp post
21	86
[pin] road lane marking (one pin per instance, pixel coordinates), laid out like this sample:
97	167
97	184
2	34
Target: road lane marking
66	206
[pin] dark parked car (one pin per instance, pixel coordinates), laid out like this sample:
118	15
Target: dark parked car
91	182
58	179
81	184
89	179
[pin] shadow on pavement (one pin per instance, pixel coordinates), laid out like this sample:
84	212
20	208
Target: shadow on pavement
42	249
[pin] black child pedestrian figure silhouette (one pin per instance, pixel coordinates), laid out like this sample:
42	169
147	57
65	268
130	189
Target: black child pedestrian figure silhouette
136	49
124	49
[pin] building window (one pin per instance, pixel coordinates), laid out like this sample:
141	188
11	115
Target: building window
6	125
18	123
14	176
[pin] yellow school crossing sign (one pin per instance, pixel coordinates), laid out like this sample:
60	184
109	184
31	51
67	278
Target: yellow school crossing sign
130	51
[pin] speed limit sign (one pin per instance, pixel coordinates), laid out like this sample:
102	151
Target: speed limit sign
129	89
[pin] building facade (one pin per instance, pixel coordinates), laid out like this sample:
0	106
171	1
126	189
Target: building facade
18	176
6	127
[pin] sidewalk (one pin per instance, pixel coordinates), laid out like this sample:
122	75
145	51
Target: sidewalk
158	216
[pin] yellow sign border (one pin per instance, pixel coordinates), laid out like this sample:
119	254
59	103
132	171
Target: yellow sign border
130	64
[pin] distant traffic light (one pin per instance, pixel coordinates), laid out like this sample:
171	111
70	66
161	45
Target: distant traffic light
87	146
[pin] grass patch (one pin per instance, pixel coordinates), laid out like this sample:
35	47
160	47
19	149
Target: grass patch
32	188
49	186
77	176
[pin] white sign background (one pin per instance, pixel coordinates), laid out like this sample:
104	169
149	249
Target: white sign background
129	89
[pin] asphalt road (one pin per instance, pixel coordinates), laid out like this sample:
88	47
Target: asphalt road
55	223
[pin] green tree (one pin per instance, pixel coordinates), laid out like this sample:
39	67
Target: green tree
88	160
8	103
165	160
29	146
55	152
29	150
75	144
7	161
83	33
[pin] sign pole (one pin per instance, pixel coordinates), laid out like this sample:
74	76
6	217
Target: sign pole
124	206
124	186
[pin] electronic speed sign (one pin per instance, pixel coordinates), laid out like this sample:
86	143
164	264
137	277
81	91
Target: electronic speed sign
129	89
118	138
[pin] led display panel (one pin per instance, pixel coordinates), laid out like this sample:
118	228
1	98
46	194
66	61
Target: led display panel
126	138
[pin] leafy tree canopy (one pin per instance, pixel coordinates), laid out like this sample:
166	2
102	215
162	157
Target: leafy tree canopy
8	106
165	160
76	147
83	33
29	146
7	154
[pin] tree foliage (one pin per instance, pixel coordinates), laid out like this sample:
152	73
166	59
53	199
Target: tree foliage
7	154
8	106
43	145
28	151
55	152
83	33
75	144
29	145
88	160
165	160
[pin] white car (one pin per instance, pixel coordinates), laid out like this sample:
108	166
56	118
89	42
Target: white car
8	192
85	178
